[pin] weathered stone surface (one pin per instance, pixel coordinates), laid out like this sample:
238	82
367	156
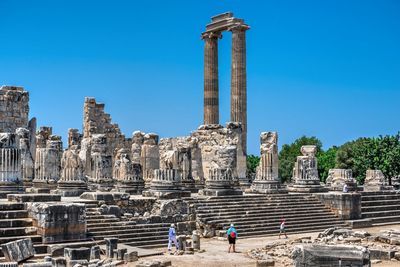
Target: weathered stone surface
21	198
346	206
8	264
267	178
59	222
27	158
59	262
47	159
166	184
305	172
376	181
150	156
111	245
14	108
109	198
17	251
338	178
381	254
10	160
170	207
323	255
128	174
72	254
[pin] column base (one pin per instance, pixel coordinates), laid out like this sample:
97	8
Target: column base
166	194
134	188
268	187
307	189
51	184
220	192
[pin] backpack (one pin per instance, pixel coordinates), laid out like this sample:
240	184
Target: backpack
233	234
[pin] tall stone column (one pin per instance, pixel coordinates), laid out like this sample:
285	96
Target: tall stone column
238	80
211	97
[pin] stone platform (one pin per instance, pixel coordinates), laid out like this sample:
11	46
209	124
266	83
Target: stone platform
21	198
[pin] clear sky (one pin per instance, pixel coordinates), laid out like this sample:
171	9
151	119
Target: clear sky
330	69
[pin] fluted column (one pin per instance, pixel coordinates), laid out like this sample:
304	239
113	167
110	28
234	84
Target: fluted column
238	80
211	97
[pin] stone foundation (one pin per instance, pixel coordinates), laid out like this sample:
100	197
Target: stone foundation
346	206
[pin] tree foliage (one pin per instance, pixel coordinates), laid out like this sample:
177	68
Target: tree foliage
381	153
326	161
252	163
289	153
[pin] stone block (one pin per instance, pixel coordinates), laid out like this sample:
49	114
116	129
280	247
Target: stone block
59	262
58	222
95	253
71	254
346	206
265	263
381	253
131	256
330	255
8	264
17	251
21	198
38	264
74	263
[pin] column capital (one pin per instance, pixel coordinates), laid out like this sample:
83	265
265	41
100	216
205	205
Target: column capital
211	35
239	27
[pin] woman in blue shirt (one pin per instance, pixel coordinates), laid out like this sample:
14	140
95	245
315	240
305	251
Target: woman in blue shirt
232	235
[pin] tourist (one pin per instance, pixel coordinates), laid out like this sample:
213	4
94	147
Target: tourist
172	237
345	188
282	228
232	235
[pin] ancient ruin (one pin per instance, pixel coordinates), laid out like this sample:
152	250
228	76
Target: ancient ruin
106	199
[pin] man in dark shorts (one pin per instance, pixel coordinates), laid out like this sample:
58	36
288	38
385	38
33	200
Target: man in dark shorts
232	235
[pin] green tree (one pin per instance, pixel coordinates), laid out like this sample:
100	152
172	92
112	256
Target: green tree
381	153
289	153
252	163
326	161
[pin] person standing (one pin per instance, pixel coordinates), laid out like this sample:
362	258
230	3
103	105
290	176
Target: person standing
232	235
172	237
282	228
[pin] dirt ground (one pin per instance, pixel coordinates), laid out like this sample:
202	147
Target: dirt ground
216	252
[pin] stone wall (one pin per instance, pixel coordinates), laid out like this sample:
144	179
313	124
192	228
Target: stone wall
59	222
14	108
347	206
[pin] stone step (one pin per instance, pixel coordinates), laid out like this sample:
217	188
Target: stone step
255	214
97	217
106	220
13	214
380	202
363	193
385	219
259	204
11	206
379	197
380	208
228	210
255	201
22	222
137	231
125	227
382	213
131	235
18	231
6	239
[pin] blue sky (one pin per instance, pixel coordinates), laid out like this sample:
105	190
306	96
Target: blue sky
330	69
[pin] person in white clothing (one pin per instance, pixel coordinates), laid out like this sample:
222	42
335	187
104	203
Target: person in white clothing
172	237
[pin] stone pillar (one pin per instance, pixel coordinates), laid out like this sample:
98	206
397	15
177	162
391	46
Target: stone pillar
27	160
375	180
211	98
149	157
238	80
48	160
129	175
10	162
111	245
267	178
100	177
220	182
305	172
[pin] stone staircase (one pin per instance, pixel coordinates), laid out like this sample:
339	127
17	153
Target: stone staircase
15	224
129	232
260	215
382	208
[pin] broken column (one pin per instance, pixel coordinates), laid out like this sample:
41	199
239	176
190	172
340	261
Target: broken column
111	246
127	174
267	178
305	172
72	182
150	157
338	178
27	159
100	177
48	159
166	184
10	163
375	180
